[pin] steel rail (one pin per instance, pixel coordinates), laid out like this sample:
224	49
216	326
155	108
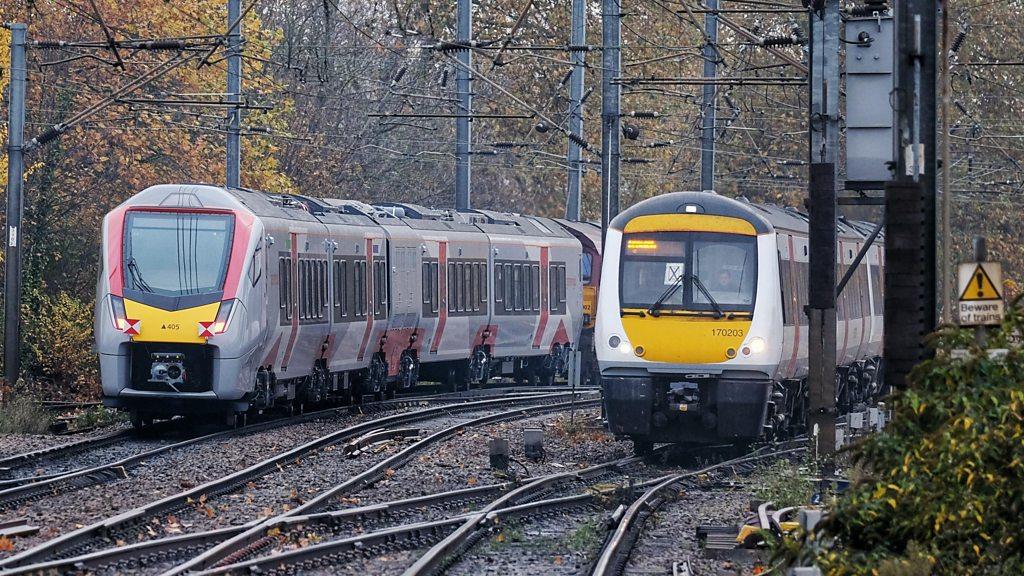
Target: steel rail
419	532
619	544
212	557
455	543
74	447
26	489
133	555
71	541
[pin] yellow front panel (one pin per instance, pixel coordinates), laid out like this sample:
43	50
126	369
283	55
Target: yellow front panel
689	223
685	339
590	305
170	326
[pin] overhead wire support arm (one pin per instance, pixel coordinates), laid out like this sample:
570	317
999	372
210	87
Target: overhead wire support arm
441	115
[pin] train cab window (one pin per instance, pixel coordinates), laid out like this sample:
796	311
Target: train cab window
586	268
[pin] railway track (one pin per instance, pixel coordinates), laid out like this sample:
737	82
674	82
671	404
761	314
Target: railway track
94	536
16	491
504	501
620	542
27	487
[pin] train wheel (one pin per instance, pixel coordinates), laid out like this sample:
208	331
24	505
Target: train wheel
140	420
643	447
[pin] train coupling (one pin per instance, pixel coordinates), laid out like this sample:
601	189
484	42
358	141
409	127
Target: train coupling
168	369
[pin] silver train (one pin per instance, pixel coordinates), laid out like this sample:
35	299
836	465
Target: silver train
701	333
214	300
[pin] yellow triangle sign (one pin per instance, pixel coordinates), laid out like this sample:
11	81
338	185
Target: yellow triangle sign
980	287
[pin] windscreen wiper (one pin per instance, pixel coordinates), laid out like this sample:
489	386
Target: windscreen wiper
704	291
137	281
653	310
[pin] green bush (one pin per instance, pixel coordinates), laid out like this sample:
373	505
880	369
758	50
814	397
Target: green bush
59	346
23	415
943	485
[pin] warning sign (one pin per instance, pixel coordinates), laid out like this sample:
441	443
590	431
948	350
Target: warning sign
980	289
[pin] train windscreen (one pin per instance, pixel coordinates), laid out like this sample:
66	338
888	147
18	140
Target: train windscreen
176	253
689	271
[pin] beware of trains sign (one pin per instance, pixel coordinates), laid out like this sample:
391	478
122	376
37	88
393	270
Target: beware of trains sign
980	290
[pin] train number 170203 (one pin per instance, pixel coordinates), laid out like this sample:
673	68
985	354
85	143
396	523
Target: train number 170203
738	332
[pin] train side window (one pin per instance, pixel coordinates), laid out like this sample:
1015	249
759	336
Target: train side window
314	266
385	292
300	268
483	283
433	287
552	287
586	268
460	287
285	288
499	287
425	282
474	295
561	288
359	287
282	283
785	290
510	298
865	296
536	287
527	287
452	285
517	283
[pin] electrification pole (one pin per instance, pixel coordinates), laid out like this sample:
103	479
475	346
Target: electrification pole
824	154
707	140
577	39
910	233
234	93
464	84
15	179
946	259
611	28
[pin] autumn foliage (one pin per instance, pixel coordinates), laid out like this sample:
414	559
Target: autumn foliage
944	485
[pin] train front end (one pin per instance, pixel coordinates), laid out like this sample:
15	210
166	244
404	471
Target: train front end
688	321
178	303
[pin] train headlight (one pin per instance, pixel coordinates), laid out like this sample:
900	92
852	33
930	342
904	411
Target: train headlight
614	342
117	313
755	346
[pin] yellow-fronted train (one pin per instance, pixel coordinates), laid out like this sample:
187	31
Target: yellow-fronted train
701	334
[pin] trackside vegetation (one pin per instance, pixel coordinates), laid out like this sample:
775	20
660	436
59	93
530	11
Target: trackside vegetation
942	490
